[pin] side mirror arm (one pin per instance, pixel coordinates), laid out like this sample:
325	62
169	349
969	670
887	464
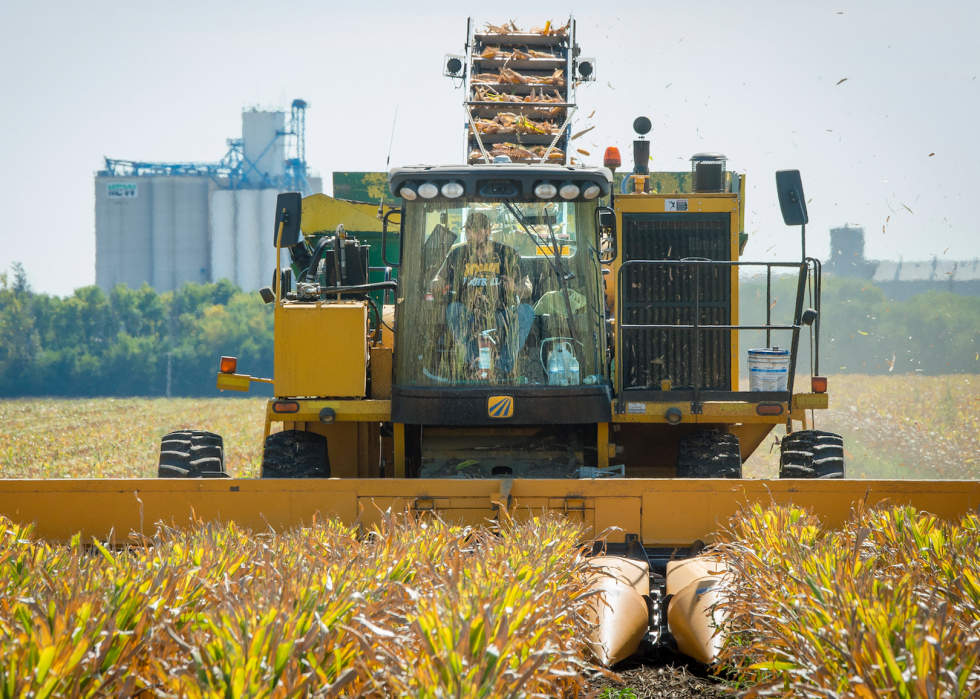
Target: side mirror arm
384	236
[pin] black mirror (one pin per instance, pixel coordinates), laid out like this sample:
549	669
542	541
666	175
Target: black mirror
789	188
605	220
809	316
289	213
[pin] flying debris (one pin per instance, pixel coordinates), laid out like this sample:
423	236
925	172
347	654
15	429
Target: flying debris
841	81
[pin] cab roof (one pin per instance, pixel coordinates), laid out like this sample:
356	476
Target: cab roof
488	180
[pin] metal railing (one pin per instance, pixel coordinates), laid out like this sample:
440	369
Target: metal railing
805	268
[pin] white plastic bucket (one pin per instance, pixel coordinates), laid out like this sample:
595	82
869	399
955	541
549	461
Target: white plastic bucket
768	369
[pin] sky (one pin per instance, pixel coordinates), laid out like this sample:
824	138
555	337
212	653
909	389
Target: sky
875	102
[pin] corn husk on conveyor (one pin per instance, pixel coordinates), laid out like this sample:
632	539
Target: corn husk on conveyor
520	91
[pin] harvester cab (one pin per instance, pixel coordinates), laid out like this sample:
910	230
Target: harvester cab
504	331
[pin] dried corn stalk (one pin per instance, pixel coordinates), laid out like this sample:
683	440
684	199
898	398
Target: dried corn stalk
507	122
520	154
216	610
888	606
506	76
496	52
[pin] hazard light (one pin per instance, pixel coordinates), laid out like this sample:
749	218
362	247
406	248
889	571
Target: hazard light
818	384
229	365
612	159
285	406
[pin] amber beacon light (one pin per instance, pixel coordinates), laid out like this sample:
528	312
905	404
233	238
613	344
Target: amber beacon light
612	159
229	365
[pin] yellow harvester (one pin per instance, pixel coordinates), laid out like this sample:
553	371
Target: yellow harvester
552	343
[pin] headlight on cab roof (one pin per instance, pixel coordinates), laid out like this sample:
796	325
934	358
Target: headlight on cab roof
569	190
545	190
452	190
592	191
428	191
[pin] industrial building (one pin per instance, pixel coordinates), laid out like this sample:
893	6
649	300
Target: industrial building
171	223
899	280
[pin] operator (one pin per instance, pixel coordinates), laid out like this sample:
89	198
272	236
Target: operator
488	289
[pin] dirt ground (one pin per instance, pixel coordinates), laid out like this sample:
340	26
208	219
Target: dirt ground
660	676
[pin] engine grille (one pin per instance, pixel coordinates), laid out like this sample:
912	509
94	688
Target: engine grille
665	295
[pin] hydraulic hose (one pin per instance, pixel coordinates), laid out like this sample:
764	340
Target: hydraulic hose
622	188
360	288
317	251
337	242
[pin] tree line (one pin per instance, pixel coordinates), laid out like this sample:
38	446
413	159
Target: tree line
862	332
136	342
129	342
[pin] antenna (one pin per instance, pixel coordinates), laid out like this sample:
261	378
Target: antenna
381	204
391	142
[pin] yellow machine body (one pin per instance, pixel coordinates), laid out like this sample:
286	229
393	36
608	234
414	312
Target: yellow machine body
322	214
666	512
321	349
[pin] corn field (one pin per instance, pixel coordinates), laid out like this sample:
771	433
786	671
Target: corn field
889	606
903	426
120	437
893	426
411	608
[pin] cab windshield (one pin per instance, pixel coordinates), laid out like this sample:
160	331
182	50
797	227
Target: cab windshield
504	293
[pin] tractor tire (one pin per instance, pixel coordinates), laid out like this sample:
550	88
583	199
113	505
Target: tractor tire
295	454
192	454
811	454
709	454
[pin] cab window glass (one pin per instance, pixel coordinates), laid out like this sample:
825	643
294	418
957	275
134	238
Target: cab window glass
485	300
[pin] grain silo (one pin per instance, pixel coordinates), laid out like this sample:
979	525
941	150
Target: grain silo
166	224
241	236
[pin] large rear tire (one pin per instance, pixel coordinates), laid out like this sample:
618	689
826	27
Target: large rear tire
709	454
812	454
295	454
192	454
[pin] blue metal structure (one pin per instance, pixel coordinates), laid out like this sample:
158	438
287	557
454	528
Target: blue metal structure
232	171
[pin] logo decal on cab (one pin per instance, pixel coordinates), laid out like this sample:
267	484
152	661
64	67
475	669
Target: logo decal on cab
500	406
